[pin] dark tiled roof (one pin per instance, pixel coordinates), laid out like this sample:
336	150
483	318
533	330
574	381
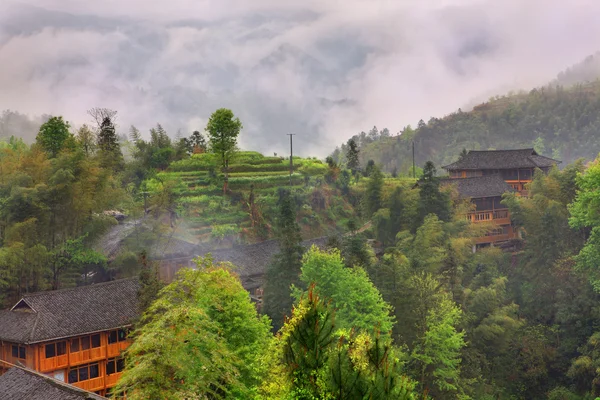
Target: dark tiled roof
481	186
159	246
24	384
252	260
69	312
502	159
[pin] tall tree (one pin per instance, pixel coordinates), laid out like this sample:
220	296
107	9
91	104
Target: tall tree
202	338
357	301
374	192
284	270
86	139
352	157
54	135
432	200
223	129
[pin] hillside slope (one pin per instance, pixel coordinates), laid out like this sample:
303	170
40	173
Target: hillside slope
562	122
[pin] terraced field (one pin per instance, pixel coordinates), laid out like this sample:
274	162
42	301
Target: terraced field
246	214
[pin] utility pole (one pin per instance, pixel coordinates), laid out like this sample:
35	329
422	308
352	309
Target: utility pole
413	149
145	203
291	135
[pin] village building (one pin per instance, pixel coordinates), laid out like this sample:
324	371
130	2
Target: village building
73	335
484	176
24	384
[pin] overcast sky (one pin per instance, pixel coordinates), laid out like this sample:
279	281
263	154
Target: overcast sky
324	70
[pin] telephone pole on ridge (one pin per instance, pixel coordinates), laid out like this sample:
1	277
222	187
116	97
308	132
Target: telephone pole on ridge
291	135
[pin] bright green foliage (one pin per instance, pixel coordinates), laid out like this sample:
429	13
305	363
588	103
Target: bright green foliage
201	338
357	301
223	129
313	362
54	135
585	213
436	354
284	270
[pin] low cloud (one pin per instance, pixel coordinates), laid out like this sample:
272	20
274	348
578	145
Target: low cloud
324	70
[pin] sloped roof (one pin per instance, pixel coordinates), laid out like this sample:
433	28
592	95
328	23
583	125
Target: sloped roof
252	260
159	246
501	159
481	186
56	314
24	384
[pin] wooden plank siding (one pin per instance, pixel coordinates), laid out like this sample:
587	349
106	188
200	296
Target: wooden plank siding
76	356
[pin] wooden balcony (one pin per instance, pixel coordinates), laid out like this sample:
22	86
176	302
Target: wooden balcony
91	385
111	380
500	217
492	237
115	349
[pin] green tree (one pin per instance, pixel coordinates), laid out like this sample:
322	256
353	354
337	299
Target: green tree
352	157
54	135
357	301
374	192
201	338
312	361
223	129
86	140
285	268
585	216
432	200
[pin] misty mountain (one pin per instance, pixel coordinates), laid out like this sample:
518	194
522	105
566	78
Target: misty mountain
311	68
562	122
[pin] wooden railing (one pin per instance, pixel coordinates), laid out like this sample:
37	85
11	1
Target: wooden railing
115	349
91	385
501	217
111	380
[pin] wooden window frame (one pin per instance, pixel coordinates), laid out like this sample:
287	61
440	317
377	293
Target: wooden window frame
88	372
21	351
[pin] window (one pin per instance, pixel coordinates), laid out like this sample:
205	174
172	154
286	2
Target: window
56	349
115	365
61	348
85	343
51	350
19	351
117	336
96	340
73	376
84	372
74	345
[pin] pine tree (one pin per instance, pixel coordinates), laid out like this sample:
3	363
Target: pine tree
285	268
431	199
352	157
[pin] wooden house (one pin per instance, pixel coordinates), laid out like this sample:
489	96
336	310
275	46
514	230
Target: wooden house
24	384
484	176
516	167
73	335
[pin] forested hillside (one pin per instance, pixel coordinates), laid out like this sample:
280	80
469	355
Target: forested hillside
561	120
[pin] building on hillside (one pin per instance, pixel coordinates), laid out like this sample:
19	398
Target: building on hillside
516	167
250	263
73	335
24	384
484	176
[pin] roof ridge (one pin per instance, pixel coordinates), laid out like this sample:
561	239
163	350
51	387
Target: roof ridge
498	150
31	334
46	292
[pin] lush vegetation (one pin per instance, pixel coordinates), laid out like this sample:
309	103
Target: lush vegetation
395	306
